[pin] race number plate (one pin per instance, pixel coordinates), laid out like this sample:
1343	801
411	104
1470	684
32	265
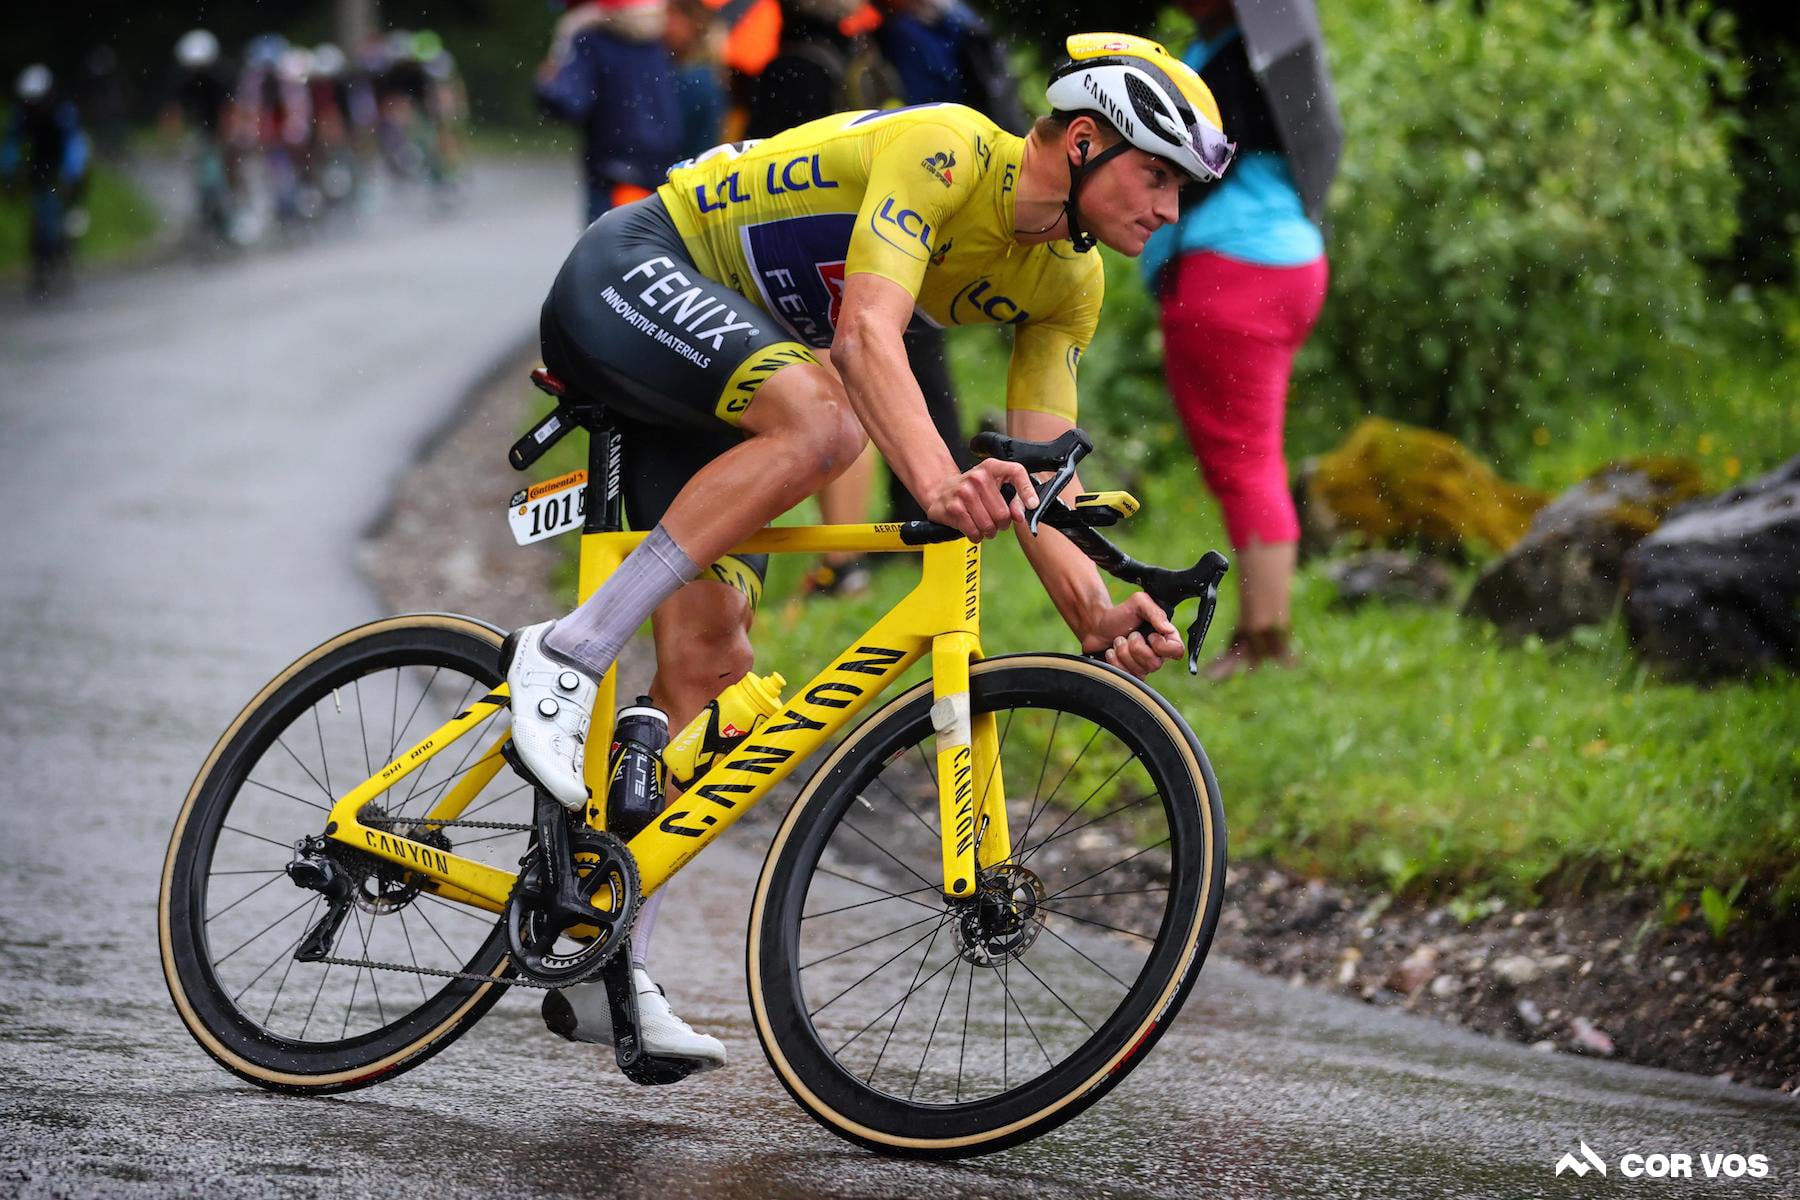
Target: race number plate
546	509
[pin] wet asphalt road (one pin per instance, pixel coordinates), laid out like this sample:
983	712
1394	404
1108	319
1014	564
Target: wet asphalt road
187	460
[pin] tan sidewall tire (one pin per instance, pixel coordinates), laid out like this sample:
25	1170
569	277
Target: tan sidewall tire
393	1063
1077	1098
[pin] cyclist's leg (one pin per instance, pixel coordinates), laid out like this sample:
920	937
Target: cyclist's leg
632	319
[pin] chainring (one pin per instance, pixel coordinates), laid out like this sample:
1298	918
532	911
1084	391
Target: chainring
554	952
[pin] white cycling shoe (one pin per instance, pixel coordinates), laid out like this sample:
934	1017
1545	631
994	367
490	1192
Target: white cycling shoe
581	1014
552	703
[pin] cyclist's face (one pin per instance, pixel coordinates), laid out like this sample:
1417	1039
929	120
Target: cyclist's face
1130	198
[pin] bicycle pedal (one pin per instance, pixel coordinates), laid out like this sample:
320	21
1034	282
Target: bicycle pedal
651	1070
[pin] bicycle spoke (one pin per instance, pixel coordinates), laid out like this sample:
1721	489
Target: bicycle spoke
282	985
901	801
324	759
317	992
901	1015
890	1008
1045	806
815	1012
412	954
259	837
1070	815
1097	924
432	925
885	894
963	1050
268	871
362	726
474	744
931	1037
1053	992
1122	892
487	804
309	803
1104	870
865	837
218	962
831	912
459	909
1129	804
1078	950
259	887
879	938
1029	1027
282	742
279	955
417	705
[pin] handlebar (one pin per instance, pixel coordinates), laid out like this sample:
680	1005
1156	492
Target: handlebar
1167	588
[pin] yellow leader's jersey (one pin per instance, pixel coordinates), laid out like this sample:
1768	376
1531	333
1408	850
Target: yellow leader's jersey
922	196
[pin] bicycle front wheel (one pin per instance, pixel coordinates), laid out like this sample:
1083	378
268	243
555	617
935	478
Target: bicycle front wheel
230	920
917	1027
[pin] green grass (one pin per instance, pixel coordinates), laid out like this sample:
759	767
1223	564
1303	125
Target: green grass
1416	750
122	222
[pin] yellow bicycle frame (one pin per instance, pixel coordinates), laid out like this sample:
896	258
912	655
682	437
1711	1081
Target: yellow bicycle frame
940	616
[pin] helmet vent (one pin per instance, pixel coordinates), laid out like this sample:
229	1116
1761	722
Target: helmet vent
1151	109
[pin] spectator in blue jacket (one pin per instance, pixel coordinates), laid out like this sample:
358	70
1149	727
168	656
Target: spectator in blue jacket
609	73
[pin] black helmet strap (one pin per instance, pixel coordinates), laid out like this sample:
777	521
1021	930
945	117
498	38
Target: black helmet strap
1080	238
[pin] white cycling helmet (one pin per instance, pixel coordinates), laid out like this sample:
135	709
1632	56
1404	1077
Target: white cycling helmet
34	82
1156	102
197	49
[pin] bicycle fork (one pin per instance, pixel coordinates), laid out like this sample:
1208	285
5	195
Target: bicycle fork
971	792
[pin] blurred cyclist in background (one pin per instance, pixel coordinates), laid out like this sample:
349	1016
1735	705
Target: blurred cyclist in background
46	150
201	104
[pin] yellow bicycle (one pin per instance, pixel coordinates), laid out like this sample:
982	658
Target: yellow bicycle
988	901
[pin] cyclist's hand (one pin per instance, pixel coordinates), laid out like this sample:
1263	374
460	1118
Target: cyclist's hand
972	503
1116	632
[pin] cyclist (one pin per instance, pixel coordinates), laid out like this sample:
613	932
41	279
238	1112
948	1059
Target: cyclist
745	326
202	100
45	144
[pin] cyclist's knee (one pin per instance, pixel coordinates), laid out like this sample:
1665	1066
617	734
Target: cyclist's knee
804	408
691	670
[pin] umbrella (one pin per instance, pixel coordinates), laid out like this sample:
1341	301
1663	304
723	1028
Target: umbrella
1287	55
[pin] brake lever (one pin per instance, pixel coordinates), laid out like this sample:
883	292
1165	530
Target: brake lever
1048	492
1210	572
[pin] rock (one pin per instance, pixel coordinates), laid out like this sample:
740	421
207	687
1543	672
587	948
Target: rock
1516	970
1390	483
1566	570
1715	591
1390	576
1544	1047
1317	905
1529	1014
1587	1039
1346	971
1445	986
1414	972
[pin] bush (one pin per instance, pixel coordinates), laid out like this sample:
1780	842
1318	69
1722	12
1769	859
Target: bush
1526	193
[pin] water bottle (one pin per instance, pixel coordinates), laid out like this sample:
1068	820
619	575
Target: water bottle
725	722
634	792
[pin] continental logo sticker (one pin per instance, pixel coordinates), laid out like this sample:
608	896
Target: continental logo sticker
940	165
755	371
902	228
536	490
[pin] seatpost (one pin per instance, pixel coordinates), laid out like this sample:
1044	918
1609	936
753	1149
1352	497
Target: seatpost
605	470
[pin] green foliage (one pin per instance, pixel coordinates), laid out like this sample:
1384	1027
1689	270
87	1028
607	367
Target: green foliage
1720	908
1526	194
121	221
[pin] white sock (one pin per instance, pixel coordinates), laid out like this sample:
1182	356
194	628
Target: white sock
592	636
640	931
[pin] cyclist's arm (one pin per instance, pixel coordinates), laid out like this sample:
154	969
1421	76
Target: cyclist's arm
905	206
1075	585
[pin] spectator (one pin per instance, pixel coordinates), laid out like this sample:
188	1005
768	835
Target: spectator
45	146
1241	279
944	53
609	73
693	39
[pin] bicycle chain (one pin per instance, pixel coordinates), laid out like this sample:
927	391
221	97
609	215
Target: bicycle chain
461	976
417	822
469	976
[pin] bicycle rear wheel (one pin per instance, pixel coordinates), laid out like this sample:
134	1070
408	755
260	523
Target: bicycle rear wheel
229	919
915	1027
